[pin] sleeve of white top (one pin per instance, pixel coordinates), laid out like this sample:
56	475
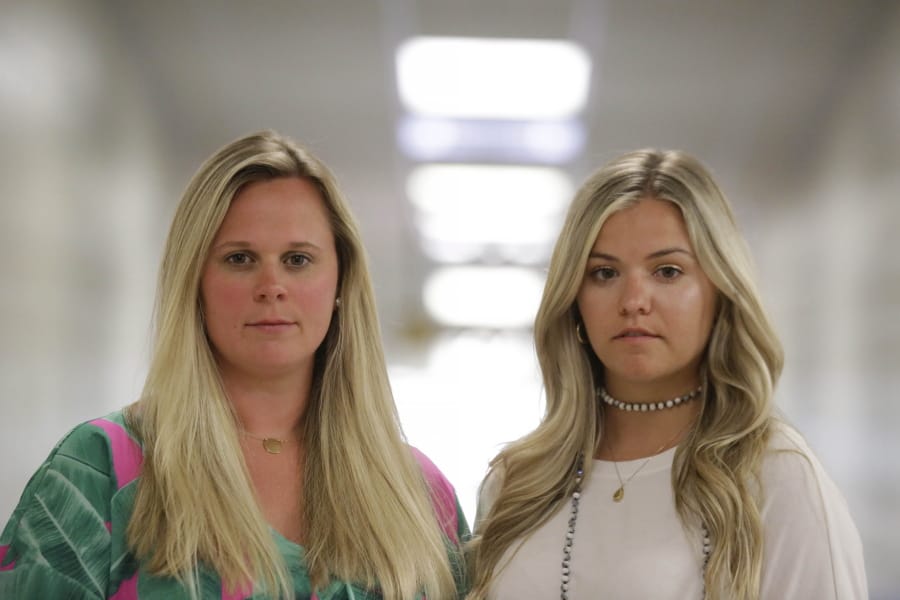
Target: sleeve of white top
812	547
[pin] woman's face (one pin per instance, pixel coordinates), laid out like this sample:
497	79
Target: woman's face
269	283
647	307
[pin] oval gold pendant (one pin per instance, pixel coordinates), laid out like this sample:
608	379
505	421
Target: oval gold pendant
272	445
619	494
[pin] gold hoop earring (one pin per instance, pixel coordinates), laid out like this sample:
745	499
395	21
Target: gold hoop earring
579	333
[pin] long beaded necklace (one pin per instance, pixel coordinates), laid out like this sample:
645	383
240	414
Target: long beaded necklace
570	537
620	492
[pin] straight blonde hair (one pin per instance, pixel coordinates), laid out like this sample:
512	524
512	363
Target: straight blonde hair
715	471
369	514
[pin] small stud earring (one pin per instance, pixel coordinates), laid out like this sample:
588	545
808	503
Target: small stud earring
337	302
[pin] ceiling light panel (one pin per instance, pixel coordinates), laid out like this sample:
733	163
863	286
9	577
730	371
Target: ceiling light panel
483	297
460	210
492	78
429	139
474	189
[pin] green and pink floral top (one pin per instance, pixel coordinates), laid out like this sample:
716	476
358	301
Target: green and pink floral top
66	537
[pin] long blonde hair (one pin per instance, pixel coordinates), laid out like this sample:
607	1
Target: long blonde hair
368	512
715	469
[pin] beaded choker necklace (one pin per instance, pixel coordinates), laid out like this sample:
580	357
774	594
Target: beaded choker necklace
570	536
641	407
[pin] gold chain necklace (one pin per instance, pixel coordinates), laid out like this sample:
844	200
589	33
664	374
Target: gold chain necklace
619	494
270	444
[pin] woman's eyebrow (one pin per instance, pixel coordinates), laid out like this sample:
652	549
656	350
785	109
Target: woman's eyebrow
667	251
242	244
655	254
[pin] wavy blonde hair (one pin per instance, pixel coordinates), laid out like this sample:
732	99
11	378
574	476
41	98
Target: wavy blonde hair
368	512
715	471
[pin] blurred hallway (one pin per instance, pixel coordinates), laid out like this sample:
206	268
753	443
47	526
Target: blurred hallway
108	108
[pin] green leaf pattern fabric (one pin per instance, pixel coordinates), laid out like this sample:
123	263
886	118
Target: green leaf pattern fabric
66	537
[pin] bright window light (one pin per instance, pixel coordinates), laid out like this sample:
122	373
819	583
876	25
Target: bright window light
466	206
480	296
492	78
453	140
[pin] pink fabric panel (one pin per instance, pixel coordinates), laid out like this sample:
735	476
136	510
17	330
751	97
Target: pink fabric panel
239	594
442	495
126	453
128	590
3	551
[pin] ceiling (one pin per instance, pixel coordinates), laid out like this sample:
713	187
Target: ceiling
746	86
742	84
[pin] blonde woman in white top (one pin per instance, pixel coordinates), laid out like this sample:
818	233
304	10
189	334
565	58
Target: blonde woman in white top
659	469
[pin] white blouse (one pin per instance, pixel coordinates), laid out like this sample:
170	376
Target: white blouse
638	548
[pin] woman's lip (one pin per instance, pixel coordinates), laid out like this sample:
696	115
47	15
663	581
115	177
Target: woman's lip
636	336
635	331
271	325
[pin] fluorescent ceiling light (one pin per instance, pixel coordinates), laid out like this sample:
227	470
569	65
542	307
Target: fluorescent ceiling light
460	209
458	252
492	78
492	229
452	140
471	212
476	190
485	297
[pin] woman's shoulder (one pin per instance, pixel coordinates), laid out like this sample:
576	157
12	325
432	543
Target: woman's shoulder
101	447
66	509
789	456
492	482
435	478
796	486
489	490
432	473
785	436
806	515
104	444
443	496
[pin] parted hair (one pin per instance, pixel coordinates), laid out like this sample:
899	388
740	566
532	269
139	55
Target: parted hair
715	470
368	514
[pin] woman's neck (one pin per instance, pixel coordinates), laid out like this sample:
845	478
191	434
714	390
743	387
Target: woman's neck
271	409
629	435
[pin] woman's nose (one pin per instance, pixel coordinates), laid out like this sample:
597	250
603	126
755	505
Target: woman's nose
635	298
269	286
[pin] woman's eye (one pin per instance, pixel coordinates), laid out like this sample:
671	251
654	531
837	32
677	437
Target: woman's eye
297	260
604	273
668	272
238	258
